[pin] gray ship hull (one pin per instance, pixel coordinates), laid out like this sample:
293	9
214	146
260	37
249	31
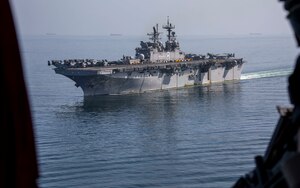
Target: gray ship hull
107	82
156	66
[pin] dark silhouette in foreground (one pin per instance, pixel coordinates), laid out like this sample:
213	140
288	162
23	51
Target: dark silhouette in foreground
280	166
18	164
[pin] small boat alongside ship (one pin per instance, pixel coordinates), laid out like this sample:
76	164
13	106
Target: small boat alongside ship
156	66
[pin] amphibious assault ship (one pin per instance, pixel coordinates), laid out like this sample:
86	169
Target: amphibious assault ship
156	66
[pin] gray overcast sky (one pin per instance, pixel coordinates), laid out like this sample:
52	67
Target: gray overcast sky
136	17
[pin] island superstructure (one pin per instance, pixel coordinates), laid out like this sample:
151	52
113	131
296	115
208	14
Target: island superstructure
156	66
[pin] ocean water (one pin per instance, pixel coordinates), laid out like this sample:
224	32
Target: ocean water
190	137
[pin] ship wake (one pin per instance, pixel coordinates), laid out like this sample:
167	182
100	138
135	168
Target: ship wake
266	74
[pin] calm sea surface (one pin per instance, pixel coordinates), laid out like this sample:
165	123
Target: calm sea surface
191	137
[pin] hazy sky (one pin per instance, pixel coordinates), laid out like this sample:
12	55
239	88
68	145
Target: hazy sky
136	17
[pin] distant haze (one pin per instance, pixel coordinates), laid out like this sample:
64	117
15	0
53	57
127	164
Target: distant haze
136	17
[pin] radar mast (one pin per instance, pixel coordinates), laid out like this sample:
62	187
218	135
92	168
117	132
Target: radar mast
169	27
155	35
